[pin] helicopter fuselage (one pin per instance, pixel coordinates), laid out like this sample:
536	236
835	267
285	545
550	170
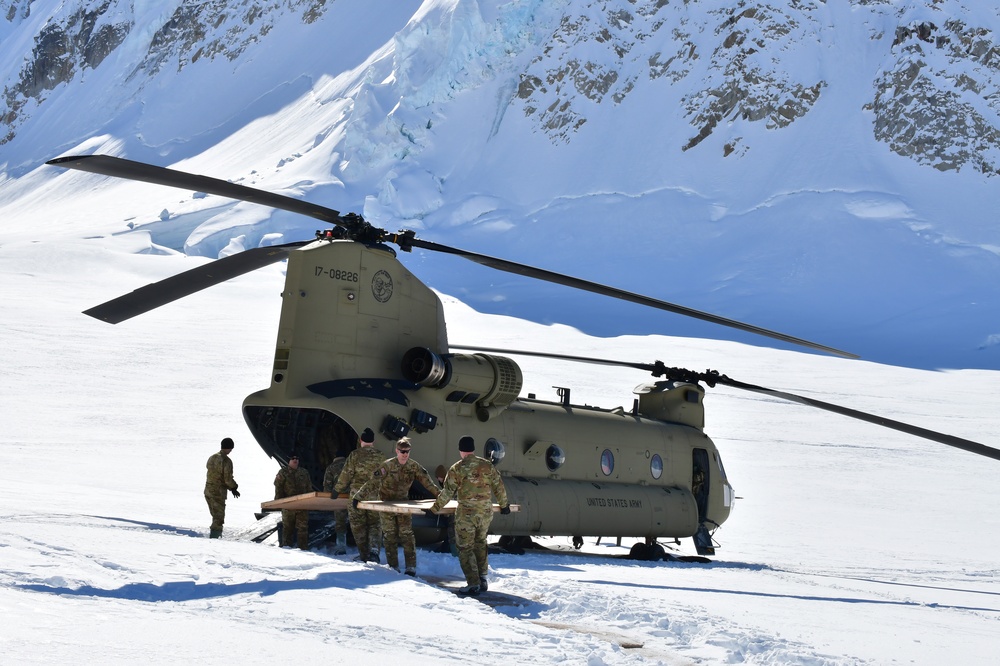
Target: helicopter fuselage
362	343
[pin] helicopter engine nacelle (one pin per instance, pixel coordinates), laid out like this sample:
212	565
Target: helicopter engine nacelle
490	382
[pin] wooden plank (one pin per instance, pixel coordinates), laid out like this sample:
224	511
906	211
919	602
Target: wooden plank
417	506
307	502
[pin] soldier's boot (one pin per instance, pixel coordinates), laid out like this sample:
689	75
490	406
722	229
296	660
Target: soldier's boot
341	547
483	584
411	571
214	534
472	590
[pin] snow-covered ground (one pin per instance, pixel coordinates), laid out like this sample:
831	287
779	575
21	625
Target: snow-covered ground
850	544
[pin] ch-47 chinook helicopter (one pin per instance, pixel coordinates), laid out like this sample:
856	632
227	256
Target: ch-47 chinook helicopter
362	342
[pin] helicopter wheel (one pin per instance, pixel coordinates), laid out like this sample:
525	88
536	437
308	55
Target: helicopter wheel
655	552
639	551
512	544
577	542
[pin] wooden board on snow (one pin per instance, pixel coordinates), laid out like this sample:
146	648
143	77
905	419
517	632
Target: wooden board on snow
417	506
307	502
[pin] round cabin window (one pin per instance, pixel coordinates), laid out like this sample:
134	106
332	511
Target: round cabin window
607	462
656	466
554	458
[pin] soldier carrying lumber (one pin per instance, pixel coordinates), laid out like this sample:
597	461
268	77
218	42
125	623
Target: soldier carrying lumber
473	480
359	467
393	480
290	481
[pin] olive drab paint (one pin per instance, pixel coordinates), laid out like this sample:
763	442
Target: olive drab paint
363	343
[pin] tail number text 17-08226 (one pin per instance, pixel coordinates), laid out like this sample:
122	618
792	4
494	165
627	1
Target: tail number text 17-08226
337	274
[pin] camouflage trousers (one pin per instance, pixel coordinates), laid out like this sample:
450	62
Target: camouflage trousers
471	526
397	529
217	507
297	523
367	532
340	522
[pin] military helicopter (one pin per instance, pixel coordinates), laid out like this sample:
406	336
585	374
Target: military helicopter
362	342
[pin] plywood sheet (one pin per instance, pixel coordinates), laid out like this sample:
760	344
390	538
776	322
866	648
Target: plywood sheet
307	502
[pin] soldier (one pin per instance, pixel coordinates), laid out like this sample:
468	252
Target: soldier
359	467
339	517
472	479
449	539
291	481
217	481
393	480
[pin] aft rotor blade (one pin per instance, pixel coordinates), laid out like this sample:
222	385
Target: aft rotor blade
934	436
712	378
184	284
594	287
107	165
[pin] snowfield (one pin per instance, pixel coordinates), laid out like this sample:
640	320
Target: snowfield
850	544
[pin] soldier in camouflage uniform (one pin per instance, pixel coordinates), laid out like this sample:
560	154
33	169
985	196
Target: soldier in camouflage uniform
291	481
359	467
393	480
218	480
339	517
473	480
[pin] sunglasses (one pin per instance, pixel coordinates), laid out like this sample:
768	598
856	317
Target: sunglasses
403	451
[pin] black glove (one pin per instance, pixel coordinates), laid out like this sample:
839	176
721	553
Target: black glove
354	503
505	509
235	493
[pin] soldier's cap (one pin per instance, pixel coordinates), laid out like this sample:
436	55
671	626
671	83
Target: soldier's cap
467	444
367	436
227	443
293	457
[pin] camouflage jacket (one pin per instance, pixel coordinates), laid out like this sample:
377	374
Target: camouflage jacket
220	475
358	470
472	480
332	474
393	480
289	482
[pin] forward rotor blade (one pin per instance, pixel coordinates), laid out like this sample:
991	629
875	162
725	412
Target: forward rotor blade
184	284
594	287
107	165
712	378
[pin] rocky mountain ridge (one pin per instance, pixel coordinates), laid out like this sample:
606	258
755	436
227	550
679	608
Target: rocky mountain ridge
933	95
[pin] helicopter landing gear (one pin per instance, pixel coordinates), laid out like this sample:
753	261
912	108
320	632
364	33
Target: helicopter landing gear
577	542
515	545
703	541
648	551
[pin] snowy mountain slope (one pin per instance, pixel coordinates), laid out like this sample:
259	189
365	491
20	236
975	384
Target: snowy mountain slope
824	169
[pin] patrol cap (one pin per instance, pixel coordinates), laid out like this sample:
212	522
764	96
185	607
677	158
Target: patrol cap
466	444
367	436
227	443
